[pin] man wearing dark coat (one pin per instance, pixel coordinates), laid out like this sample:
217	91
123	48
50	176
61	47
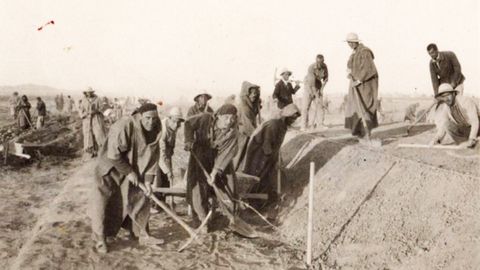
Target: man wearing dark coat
445	68
23	109
212	138
282	94
264	146
249	111
362	99
201	105
129	156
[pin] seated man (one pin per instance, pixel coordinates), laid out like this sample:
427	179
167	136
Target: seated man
262	150
129	156
456	118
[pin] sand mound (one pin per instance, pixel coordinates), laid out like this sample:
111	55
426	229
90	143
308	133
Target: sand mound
374	210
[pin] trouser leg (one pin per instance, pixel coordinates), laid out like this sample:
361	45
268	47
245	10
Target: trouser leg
307	101
199	200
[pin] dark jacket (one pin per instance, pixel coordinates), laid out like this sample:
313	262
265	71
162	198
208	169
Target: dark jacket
446	69
41	109
284	93
194	110
263	148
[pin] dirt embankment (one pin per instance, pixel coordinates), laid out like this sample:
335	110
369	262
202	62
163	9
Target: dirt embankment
387	208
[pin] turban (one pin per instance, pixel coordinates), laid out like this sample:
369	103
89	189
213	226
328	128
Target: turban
227	109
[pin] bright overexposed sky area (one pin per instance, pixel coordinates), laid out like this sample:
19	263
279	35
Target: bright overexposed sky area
173	49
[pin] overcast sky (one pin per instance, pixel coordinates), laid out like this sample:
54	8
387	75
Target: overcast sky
176	48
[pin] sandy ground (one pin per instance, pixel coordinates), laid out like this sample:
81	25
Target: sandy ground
383	208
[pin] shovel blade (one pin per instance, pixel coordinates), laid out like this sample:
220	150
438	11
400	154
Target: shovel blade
242	228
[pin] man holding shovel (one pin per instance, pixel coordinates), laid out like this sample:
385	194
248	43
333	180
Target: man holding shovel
212	140
128	158
315	80
362	100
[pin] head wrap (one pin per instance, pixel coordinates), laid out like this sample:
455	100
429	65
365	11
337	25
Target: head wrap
147	107
227	109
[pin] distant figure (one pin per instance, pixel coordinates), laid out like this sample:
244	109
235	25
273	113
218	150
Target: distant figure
41	112
59	102
248	114
117	109
230	99
445	68
23	109
362	98
344	104
201	105
410	112
457	118
317	77
93	123
263	149
70	105
283	92
13	102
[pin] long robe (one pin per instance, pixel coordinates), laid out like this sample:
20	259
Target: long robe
93	124
23	109
115	202
262	152
247	121
13	102
214	150
362	68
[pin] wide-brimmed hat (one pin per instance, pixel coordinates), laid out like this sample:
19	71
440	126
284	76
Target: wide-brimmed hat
285	70
175	112
89	90
203	94
445	88
352	37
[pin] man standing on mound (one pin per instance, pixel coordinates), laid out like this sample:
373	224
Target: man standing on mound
129	156
362	100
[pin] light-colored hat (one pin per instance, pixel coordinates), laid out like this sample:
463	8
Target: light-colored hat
175	112
290	110
89	90
352	37
445	88
284	70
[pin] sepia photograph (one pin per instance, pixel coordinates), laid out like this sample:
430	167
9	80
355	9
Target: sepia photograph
240	134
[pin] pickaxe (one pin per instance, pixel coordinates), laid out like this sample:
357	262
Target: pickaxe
191	231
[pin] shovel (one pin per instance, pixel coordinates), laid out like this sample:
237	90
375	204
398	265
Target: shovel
191	231
237	224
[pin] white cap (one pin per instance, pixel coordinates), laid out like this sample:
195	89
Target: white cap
175	112
284	70
352	37
445	88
